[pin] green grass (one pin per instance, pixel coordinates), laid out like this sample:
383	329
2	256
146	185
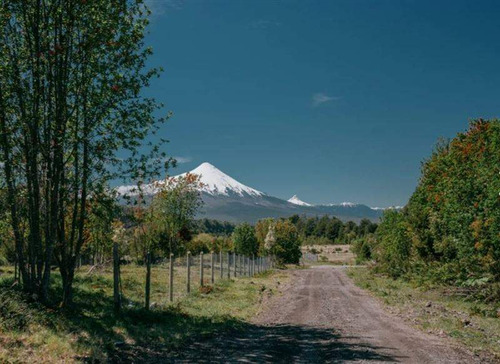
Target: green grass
92	332
436	310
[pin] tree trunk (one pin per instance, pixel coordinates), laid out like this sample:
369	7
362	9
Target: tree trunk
116	279
67	280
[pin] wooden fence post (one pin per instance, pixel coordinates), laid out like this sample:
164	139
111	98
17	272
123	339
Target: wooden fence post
234	265
221	265
212	266
116	279
239	265
171	277
244	265
228	265
148	280
201	269
253	265
188	265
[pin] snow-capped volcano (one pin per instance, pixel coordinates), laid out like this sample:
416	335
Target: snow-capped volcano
297	201
214	182
226	199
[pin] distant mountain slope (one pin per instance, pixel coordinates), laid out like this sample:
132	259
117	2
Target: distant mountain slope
297	201
227	199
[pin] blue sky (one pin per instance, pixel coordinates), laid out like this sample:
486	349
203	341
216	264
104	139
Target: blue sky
330	100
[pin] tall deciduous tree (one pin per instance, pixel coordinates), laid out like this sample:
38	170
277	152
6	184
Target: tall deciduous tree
174	207
71	74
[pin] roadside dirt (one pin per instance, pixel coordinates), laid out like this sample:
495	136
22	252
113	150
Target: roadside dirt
323	317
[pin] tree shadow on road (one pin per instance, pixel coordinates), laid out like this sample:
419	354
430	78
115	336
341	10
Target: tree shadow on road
283	343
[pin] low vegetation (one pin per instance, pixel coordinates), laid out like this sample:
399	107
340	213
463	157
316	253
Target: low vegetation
91	331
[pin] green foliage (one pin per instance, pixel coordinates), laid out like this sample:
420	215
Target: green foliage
362	247
71	80
283	242
244	240
100	228
330	230
207	243
393	248
169	219
450	230
215	227
201	243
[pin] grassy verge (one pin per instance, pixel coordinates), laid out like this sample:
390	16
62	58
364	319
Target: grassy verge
30	332
434	310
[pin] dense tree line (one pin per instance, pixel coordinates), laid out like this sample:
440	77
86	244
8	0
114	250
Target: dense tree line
215	227
450	229
330	230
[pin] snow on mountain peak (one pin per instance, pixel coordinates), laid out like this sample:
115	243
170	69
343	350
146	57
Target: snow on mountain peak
297	201
348	204
344	204
216	182
387	208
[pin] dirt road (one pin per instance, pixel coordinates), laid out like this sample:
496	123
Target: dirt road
323	317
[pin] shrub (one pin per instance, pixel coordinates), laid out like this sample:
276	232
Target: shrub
393	248
283	242
200	243
362	247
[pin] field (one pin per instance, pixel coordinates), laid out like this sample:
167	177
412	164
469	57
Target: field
437	310
30	332
331	254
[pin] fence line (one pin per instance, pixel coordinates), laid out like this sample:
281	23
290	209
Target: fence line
176	272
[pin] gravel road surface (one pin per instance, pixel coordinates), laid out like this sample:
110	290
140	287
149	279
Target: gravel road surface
321	316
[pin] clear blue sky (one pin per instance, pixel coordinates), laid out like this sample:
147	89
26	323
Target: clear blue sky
330	100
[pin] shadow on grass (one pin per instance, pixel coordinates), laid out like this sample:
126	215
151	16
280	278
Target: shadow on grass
170	335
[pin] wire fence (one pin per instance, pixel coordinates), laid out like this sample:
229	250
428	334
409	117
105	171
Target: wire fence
176	277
